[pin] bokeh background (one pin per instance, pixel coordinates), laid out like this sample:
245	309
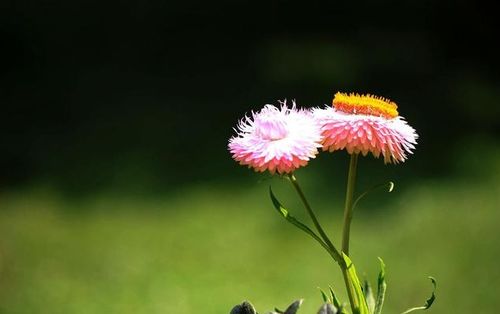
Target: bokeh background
118	195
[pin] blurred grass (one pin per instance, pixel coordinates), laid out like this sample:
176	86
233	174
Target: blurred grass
208	248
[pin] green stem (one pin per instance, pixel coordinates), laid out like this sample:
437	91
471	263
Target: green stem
389	184
351	182
336	254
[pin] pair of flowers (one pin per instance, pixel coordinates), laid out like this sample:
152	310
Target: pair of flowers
282	139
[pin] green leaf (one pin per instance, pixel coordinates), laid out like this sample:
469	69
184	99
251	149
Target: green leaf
382	286
428	302
325	297
340	306
361	307
370	299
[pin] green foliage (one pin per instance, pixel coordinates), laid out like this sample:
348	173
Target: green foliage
370	299
382	286
336	302
325	296
361	306
333	300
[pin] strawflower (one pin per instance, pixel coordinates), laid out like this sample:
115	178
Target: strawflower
366	123
284	139
276	139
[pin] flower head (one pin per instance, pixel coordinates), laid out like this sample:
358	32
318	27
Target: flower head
276	139
366	123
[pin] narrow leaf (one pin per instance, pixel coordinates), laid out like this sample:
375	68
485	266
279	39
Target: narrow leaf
361	307
335	300
428	302
325	297
382	286
370	299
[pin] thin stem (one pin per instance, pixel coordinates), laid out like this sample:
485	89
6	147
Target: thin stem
336	254
351	182
389	184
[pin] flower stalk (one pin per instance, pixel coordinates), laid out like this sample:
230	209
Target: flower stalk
347	220
346	228
348	212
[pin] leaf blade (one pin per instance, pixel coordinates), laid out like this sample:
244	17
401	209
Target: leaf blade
362	307
324	296
335	300
381	289
370	299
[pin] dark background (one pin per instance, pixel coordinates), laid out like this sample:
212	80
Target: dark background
96	93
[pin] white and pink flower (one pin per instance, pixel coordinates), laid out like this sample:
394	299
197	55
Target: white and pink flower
276	139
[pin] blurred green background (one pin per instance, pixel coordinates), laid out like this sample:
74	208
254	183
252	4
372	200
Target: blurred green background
118	195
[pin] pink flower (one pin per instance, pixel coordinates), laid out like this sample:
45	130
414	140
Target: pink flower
276	139
366	123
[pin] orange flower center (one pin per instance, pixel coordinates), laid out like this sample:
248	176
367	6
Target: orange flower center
365	104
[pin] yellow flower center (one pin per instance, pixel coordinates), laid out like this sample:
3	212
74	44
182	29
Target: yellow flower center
365	104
